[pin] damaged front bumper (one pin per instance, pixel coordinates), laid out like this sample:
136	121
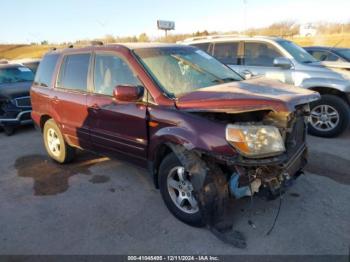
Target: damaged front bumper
268	177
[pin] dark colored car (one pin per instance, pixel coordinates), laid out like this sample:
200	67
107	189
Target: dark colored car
32	65
15	106
327	53
203	131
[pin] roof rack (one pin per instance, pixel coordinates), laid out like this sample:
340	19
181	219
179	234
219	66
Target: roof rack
211	37
96	42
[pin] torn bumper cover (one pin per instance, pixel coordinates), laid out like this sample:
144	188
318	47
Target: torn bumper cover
270	178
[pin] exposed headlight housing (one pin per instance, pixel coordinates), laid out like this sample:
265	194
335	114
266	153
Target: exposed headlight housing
255	141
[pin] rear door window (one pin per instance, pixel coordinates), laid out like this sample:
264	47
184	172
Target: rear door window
259	54
74	72
227	52
46	70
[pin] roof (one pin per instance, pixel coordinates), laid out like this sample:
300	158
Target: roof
130	46
10	65
139	45
220	38
326	47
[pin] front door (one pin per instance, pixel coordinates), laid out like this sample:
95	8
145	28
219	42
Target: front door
117	128
258	61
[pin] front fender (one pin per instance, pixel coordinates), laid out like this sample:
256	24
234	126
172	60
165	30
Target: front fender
210	140
341	85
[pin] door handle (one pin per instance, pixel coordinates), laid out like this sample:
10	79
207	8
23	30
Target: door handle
247	72
55	100
95	107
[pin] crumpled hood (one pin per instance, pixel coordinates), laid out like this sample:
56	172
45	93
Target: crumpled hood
13	90
248	95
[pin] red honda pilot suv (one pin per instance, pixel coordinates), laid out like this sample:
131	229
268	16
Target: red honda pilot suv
205	133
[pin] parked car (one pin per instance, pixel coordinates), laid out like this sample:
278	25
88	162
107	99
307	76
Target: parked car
15	106
280	59
31	63
178	111
336	59
327	53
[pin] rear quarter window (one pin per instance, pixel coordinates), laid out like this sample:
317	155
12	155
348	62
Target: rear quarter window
46	70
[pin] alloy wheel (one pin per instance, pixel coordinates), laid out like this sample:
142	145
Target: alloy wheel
181	190
53	142
324	117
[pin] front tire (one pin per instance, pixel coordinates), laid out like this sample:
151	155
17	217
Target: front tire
55	145
177	191
330	116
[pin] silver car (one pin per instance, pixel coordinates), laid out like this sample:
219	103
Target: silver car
280	59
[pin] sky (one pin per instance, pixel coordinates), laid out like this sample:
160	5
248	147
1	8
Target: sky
24	21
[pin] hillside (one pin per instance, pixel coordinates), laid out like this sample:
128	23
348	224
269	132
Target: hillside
37	51
22	51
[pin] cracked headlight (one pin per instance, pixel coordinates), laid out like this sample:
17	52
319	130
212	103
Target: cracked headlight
256	140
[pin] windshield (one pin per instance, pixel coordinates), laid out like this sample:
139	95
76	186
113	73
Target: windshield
180	70
298	53
345	53
15	75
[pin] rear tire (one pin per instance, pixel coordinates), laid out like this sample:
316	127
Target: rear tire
55	145
330	116
187	214
9	130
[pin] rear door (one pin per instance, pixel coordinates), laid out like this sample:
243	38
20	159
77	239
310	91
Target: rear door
117	128
228	53
69	98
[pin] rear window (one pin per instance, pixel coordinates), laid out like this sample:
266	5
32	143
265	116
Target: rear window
74	72
46	70
14	74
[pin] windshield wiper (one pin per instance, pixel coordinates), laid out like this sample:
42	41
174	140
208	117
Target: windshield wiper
197	68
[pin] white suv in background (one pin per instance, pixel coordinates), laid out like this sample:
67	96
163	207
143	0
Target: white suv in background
280	59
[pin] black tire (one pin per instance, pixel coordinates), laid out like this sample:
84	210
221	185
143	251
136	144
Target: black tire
66	152
9	130
343	111
169	163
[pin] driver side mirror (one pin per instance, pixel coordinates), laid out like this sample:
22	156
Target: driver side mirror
282	62
128	93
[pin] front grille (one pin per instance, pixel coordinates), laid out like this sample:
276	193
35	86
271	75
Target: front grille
23	101
296	138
